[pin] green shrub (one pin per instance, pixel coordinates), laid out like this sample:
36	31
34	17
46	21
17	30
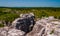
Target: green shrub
1	25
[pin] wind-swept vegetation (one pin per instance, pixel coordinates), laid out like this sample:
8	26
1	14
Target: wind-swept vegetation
9	14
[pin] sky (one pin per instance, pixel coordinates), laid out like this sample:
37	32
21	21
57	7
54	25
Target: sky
30	3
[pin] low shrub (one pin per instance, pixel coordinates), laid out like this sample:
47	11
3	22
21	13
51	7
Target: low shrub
1	25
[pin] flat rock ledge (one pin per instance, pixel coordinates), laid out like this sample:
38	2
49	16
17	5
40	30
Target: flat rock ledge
6	31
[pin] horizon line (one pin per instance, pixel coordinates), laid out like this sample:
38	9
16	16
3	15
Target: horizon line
26	6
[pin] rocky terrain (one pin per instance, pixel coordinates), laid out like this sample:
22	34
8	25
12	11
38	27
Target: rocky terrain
26	25
46	27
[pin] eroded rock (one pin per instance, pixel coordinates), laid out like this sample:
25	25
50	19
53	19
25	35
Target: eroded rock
46	27
6	31
24	23
26	26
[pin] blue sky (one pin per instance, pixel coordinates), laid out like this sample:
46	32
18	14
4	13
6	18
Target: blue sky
30	3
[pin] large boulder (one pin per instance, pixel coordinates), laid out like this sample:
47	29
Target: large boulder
25	22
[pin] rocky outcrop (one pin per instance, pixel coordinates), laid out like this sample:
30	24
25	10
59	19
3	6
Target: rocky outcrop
37	30
6	31
46	27
24	23
26	26
20	26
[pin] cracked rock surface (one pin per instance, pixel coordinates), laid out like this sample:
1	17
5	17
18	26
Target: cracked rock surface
11	32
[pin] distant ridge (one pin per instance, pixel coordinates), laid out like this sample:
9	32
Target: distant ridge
28	7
